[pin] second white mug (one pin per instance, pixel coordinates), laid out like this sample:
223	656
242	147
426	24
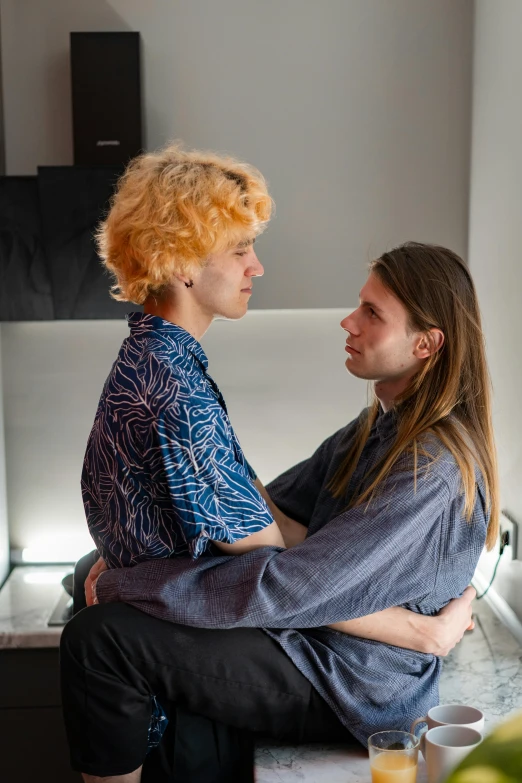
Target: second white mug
450	715
445	747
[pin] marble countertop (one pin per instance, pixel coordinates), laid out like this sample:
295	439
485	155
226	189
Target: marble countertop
317	764
27	600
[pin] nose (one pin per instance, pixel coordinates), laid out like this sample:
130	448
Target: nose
255	267
349	322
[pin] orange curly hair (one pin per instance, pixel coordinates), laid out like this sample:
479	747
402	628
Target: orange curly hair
171	210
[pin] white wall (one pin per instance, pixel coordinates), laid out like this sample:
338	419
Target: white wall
357	111
282	375
4	535
496	245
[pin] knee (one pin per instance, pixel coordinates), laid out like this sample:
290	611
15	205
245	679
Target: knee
89	629
99	645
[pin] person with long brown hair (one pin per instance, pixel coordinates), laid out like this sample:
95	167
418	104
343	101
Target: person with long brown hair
393	510
448	397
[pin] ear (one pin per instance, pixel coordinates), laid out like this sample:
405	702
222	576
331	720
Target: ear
182	278
188	278
429	343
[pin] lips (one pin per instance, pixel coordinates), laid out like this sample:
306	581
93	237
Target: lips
351	348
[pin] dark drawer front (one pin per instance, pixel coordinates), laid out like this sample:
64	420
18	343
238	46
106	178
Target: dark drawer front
29	678
34	747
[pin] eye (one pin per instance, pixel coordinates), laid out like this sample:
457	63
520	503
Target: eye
372	312
241	253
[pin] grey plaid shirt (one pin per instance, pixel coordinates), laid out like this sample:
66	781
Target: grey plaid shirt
410	548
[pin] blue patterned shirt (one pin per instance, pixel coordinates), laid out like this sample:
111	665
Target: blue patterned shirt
411	547
164	473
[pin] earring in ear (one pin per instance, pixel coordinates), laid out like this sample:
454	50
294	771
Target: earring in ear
189	285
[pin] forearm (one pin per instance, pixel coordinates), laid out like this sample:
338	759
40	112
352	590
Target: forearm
323	580
293	532
269	536
395	626
221	592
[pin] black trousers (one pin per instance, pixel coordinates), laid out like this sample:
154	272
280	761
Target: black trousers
219	688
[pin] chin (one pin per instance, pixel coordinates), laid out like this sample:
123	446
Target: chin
233	313
351	369
356	372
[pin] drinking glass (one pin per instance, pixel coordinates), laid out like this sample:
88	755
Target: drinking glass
393	757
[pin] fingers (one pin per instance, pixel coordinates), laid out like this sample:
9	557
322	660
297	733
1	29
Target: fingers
469	593
88	592
94	573
98	567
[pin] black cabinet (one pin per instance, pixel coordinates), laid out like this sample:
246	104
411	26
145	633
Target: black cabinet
32	734
49	267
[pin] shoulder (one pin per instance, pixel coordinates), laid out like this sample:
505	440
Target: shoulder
434	467
449	448
342	438
155	375
434	456
425	469
156	359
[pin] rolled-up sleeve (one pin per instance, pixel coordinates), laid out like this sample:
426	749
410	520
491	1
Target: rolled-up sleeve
365	560
209	484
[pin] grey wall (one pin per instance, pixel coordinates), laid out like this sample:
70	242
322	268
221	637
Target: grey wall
4	536
2	140
282	374
495	245
357	111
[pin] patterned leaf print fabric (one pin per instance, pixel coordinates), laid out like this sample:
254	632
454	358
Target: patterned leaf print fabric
164	473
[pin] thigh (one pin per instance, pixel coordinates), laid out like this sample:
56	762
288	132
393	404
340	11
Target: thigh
240	676
323	725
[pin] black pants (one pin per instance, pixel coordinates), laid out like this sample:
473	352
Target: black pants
264	694
219	688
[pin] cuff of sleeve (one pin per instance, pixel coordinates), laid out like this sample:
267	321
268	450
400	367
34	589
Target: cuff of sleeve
109	585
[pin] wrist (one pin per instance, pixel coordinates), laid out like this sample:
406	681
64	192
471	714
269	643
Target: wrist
108	585
433	631
424	634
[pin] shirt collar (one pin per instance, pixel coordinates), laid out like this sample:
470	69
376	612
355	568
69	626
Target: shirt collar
145	322
386	423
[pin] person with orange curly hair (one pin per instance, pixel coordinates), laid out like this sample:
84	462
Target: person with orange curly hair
164	473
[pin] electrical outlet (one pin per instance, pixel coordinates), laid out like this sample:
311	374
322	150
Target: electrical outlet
509	525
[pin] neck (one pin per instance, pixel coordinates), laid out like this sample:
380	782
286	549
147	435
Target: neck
388	391
385	402
181	311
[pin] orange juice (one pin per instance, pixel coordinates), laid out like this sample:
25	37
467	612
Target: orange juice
393	768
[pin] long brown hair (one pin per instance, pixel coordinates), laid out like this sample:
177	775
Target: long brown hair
450	397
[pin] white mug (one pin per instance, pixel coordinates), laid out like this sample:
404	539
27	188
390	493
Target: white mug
445	747
450	715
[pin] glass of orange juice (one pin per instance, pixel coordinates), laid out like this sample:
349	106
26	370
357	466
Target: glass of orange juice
393	757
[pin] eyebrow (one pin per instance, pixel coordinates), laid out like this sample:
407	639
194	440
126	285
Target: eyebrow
246	242
372	305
